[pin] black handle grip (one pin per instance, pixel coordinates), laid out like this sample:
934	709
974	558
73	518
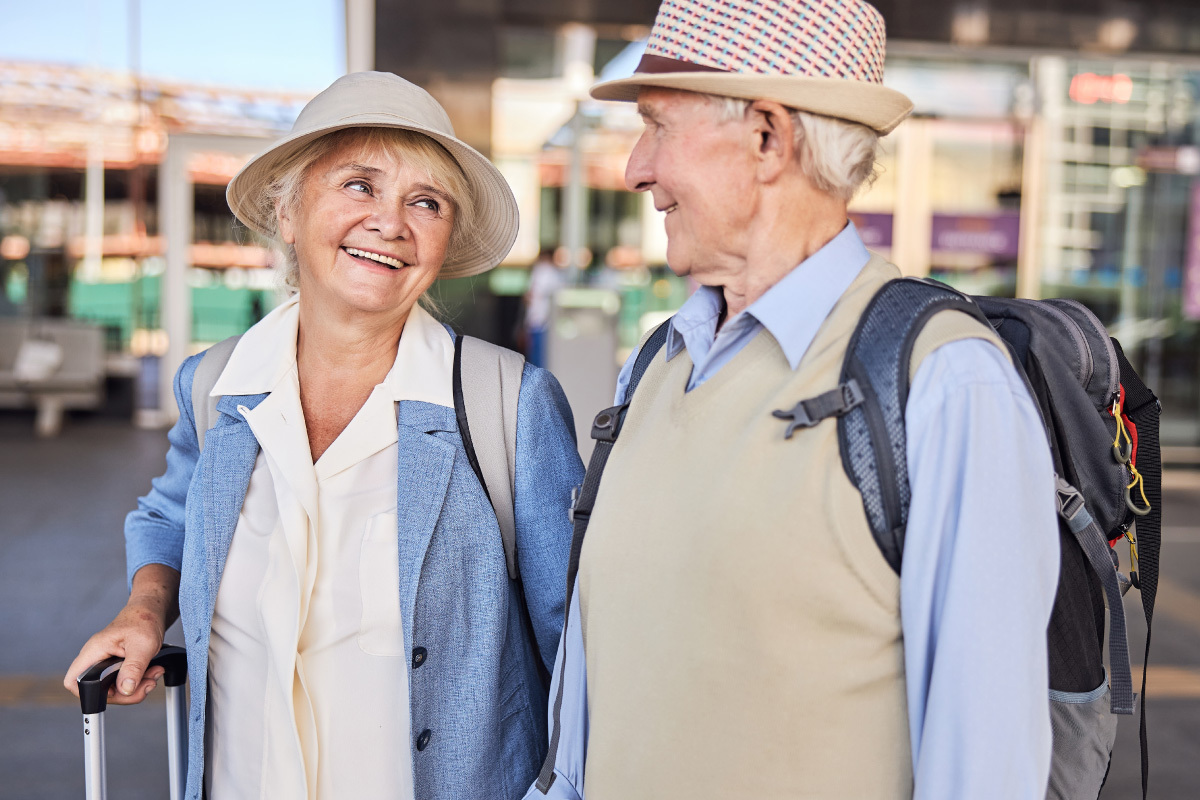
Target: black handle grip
95	683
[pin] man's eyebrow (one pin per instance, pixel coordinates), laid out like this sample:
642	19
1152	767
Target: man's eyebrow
646	111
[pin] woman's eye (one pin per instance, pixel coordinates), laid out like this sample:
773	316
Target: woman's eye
359	186
426	202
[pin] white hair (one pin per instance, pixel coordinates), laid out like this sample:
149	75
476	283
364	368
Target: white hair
836	155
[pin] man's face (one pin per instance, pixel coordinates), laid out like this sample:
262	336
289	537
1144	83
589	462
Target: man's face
700	171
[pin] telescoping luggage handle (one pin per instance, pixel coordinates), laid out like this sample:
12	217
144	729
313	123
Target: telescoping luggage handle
93	700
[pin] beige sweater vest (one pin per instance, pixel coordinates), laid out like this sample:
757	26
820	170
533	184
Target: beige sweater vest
741	628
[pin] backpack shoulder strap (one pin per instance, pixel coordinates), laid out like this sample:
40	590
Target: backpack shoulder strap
487	385
871	434
605	429
952	326
204	407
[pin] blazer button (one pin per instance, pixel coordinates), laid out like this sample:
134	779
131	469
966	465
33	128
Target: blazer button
419	656
423	739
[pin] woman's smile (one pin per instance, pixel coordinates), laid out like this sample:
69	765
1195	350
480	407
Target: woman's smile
374	258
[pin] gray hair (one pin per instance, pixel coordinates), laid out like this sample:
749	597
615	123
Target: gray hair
287	186
836	155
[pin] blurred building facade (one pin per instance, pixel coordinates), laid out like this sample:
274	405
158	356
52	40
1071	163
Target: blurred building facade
1055	151
81	153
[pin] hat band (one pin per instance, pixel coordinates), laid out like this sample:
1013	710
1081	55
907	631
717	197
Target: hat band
654	65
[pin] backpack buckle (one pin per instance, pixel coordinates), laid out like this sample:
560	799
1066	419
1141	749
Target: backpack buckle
834	403
1070	501
607	425
573	510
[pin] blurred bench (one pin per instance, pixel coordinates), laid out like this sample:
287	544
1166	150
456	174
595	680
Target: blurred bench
76	381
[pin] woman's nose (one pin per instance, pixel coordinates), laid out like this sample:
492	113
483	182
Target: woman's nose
389	223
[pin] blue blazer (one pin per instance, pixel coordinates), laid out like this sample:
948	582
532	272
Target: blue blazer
476	703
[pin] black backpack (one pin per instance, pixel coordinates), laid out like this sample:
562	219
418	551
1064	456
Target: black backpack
1102	429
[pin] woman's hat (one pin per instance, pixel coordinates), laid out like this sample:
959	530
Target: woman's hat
384	100
820	56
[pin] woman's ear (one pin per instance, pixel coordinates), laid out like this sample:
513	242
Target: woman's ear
775	146
283	216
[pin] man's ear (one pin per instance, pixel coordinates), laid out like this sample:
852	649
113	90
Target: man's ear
287	231
775	147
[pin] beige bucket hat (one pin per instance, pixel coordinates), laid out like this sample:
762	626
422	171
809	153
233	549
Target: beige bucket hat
384	100
821	56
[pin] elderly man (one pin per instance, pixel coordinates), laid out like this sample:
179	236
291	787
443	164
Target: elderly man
734	630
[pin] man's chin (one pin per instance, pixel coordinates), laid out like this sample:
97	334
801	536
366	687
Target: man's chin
678	262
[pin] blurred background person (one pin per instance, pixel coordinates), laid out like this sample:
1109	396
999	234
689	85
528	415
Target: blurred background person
345	636
545	278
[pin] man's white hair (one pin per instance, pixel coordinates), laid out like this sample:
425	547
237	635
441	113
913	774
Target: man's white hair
837	156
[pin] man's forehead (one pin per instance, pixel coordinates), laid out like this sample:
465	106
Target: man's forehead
654	101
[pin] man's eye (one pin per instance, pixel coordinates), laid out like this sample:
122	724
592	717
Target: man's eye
359	186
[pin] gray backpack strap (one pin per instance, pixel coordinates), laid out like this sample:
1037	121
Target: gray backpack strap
487	385
204	408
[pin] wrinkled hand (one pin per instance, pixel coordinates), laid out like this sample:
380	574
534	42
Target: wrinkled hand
135	635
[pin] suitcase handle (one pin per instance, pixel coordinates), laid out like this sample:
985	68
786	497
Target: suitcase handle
93	700
95	683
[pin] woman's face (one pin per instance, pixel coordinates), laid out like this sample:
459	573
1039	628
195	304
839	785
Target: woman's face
370	233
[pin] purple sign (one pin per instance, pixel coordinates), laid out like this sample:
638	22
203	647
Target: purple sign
993	234
1191	273
875	230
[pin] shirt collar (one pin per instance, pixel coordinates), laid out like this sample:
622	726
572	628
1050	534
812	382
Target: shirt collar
792	310
266	354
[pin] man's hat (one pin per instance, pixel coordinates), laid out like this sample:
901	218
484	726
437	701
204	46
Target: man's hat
820	56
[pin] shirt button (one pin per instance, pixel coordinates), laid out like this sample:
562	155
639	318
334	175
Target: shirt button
419	656
423	739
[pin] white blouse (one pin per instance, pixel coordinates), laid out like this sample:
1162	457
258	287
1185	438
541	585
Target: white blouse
308	672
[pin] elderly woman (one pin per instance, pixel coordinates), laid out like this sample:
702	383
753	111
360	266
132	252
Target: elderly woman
350	623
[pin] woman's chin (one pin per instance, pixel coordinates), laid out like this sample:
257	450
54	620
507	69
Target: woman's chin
367	292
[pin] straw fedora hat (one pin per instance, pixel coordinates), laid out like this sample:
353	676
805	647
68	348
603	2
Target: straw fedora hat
384	100
821	56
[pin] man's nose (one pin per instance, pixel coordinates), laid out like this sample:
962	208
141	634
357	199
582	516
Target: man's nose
639	177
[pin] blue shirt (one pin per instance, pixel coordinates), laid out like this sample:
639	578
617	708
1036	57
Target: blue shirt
981	551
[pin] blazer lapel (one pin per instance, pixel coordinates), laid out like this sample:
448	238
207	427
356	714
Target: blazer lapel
425	463
226	464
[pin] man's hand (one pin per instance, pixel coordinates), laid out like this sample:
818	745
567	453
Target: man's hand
135	635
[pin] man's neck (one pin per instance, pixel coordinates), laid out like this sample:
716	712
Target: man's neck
778	244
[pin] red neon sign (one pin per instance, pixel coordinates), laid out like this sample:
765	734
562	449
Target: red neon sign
1088	88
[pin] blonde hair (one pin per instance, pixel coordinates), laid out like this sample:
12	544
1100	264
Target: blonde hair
836	155
286	188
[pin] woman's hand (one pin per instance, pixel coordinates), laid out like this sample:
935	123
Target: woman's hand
135	635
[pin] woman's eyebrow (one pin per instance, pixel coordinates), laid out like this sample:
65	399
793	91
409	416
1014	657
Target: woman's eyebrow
356	167
425	187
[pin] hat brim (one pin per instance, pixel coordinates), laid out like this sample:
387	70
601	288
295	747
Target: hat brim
496	207
870	104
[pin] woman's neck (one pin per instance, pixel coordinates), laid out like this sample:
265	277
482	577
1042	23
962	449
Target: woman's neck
355	348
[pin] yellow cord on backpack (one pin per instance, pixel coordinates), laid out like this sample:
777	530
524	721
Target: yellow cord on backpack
1133	554
1133	557
1122	455
1140	483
